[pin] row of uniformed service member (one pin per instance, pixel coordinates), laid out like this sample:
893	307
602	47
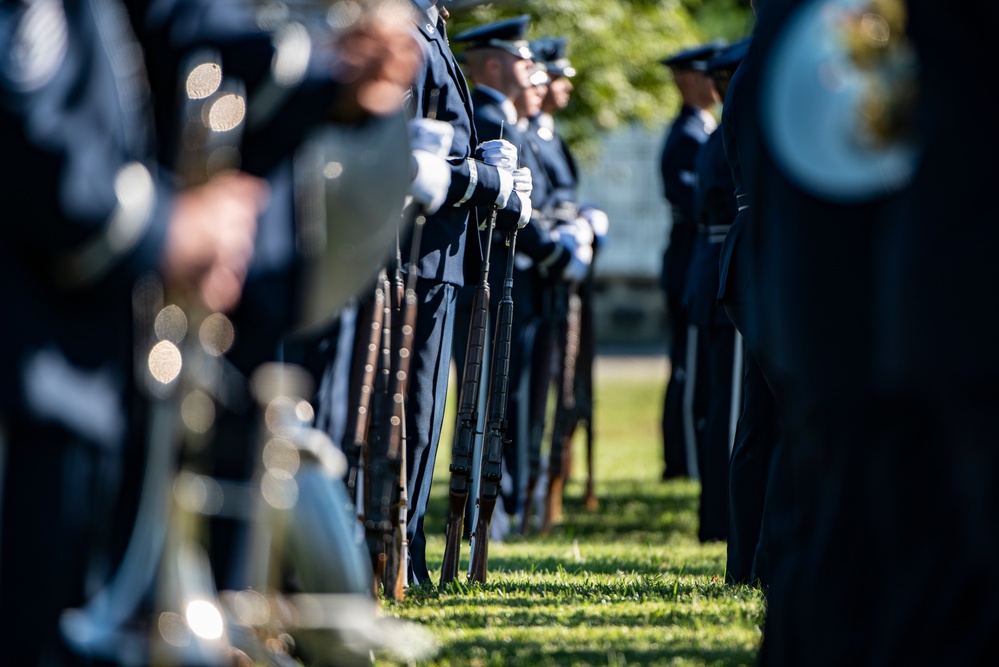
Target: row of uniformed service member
510	82
718	402
488	173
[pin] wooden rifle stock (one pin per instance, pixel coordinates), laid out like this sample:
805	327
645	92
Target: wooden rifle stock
404	332
564	424
372	313
377	520
390	434
499	391
468	417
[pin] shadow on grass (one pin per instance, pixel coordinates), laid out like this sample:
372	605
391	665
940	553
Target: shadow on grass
587	610
542	591
548	565
629	511
486	653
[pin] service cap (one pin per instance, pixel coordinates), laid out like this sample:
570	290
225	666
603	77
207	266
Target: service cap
728	59
695	57
550	51
509	35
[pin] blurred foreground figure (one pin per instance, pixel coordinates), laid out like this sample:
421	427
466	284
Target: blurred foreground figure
873	247
98	237
938	361
86	214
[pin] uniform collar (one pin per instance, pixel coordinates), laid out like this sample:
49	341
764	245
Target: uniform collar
710	124
546	121
427	8
506	105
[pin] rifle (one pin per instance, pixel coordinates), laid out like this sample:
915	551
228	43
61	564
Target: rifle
492	459
387	463
584	384
377	521
373	314
468	417
403	338
545	392
462	450
565	414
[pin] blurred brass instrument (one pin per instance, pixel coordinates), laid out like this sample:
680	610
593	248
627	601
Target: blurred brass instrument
838	93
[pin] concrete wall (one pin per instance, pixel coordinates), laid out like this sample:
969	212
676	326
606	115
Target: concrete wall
625	182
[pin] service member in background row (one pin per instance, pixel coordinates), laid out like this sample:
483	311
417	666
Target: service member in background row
500	66
719	348
757	434
481	177
687	133
565	208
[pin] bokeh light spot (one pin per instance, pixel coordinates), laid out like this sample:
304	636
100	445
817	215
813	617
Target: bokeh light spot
165	362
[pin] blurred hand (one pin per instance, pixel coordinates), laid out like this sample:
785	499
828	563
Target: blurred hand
432	136
575	271
577	239
433	178
499	153
582	231
376	59
598	221
210	238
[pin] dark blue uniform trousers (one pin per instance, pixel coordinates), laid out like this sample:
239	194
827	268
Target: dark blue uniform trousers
428	378
712	409
757	435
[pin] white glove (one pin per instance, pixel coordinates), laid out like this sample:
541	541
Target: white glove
523	185
433	178
433	136
578	241
583	232
499	153
575	270
505	189
523	181
525	209
598	221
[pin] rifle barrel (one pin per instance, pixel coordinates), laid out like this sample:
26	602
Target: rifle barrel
499	385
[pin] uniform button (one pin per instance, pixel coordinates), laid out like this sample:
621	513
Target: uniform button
430	28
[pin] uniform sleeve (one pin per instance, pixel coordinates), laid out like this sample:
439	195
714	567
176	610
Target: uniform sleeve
678	174
289	74
474	182
549	256
81	203
730	133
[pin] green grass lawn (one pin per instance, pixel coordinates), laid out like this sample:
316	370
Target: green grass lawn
628	584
